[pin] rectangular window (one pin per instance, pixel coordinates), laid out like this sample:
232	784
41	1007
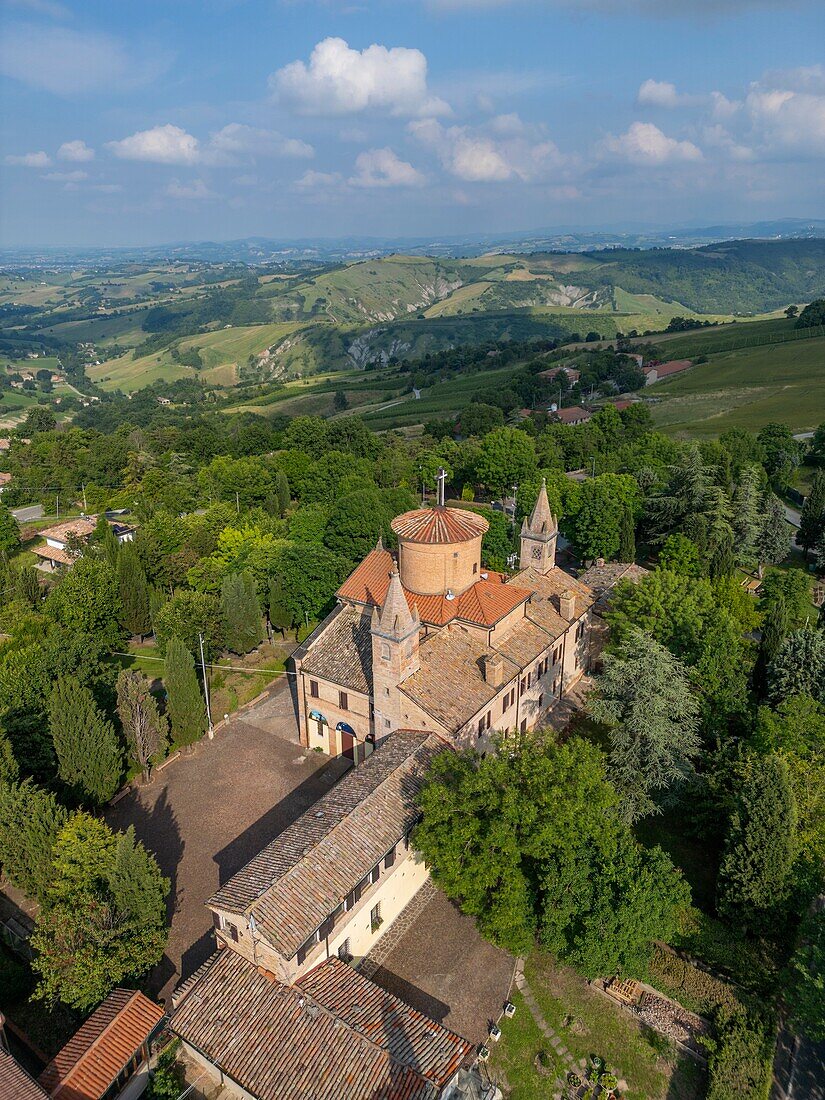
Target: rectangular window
233	931
374	874
343	701
375	917
313	688
217	920
389	859
525	683
524	725
480	726
385	651
344	953
541	700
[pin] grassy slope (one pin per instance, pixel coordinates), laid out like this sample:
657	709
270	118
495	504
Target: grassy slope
746	388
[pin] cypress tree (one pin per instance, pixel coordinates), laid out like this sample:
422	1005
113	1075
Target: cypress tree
746	517
760	847
240	612
105	537
88	751
27	586
775	627
627	538
799	666
282	492
280	615
186	708
134	592
9	531
812	517
30	820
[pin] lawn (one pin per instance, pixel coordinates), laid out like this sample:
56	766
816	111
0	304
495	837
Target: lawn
746	388
512	1060
590	1024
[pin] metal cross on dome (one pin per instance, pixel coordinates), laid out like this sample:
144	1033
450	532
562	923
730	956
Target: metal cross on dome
441	478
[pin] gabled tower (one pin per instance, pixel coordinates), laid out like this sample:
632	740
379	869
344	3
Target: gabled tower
395	632
538	535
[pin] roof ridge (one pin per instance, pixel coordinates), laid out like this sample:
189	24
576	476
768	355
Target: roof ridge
333	963
348	815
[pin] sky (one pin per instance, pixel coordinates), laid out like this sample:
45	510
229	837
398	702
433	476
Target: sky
130	123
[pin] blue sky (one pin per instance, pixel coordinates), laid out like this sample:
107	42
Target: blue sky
131	123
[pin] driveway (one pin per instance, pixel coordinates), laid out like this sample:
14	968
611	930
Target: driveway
206	814
439	963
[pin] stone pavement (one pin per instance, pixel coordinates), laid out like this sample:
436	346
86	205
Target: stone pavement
562	1053
371	963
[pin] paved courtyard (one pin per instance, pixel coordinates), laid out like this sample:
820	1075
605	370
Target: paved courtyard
206	814
438	962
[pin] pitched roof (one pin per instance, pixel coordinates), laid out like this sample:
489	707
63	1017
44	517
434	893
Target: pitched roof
5	479
394	619
483	604
334	1034
547	588
673	366
53	553
450	683
541	521
602	579
15	1083
343	653
439	525
300	877
82	527
572	415
95	1055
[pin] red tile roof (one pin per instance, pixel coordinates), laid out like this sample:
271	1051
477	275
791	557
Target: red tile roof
484	603
439	525
15	1083
573	415
95	1055
81	527
673	367
5	478
53	553
334	1035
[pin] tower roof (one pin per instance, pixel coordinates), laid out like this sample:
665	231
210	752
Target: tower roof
439	525
542	521
395	620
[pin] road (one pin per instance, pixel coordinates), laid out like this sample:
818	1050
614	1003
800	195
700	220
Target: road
792	515
26	515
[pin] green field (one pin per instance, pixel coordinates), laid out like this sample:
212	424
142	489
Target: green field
746	388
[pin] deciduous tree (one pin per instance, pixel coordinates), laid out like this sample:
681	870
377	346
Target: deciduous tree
30	820
146	730
9	531
103	919
805	979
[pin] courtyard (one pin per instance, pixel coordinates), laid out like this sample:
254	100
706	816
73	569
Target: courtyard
208	812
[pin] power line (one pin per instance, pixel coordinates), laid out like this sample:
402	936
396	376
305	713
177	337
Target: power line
222	668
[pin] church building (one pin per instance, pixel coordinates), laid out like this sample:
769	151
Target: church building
429	639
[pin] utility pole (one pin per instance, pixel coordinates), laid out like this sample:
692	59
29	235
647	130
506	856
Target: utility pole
206	691
84	499
57	505
237	502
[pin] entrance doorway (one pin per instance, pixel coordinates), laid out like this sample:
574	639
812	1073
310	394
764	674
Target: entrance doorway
348	741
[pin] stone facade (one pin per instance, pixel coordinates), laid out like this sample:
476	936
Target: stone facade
431	640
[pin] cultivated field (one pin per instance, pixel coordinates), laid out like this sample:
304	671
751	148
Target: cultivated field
746	388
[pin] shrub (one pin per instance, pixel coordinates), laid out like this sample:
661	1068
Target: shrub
694	988
740	1058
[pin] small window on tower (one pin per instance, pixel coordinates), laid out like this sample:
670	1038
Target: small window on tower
475	566
385	651
313	688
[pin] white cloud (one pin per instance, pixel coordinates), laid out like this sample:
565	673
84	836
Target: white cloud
717	137
29	160
162	145
783	119
236	139
383	168
477	157
339	80
311	180
644	143
507	124
69	62
75	151
195	189
661	93
67	177
107	188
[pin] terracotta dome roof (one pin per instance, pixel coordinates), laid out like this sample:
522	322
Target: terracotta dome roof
439	525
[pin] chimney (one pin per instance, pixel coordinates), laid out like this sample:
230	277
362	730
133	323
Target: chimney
567	605
493	666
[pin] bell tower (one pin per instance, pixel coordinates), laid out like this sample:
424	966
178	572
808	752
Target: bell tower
538	536
395	632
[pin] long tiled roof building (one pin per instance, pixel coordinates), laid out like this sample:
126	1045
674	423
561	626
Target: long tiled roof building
429	639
